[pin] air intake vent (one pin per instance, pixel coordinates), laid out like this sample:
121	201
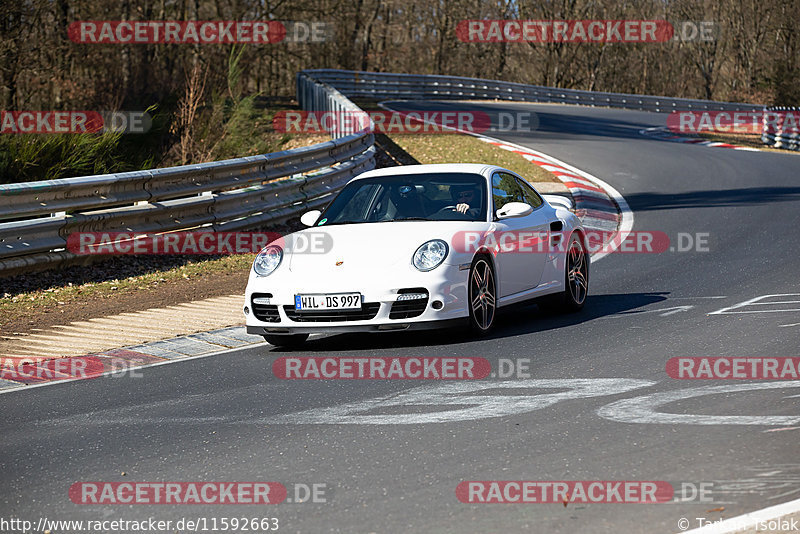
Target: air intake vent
411	303
368	311
262	309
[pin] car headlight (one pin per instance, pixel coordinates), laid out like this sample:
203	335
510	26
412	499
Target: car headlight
268	260
430	255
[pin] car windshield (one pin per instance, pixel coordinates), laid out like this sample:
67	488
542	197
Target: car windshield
428	197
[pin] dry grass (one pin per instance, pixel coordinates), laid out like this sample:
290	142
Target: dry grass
28	301
458	148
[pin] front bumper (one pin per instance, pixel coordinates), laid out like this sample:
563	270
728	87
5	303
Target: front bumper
343	329
446	304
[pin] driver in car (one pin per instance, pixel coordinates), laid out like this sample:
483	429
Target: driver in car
466	199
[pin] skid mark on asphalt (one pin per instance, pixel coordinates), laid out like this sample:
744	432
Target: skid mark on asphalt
754	305
662	312
663	133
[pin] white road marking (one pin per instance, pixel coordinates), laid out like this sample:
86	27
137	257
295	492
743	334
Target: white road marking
692	298
643	409
756	302
771	473
675	309
459	402
662	312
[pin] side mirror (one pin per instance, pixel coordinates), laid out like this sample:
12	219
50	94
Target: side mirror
309	218
514	209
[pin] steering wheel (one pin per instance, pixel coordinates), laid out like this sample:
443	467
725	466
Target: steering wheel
452	207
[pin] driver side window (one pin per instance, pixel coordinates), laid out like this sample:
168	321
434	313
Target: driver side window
505	189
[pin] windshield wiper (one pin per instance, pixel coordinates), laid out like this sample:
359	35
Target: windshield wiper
410	219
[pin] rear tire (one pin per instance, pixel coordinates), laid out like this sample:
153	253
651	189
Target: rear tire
482	294
287	341
576	280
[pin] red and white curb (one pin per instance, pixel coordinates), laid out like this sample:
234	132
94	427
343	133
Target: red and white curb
598	205
665	134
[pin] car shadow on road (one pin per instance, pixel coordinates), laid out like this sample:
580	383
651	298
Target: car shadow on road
746	196
531	319
511	321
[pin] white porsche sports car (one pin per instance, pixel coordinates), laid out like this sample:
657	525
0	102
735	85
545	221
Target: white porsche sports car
417	247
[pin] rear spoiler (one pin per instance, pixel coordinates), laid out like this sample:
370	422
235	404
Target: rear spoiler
558	201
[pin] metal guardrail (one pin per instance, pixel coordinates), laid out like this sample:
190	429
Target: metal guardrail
36	218
316	95
377	85
775	132
359	84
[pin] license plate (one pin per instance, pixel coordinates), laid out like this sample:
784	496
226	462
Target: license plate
328	301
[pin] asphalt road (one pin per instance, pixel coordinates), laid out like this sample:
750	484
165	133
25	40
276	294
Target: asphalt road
226	418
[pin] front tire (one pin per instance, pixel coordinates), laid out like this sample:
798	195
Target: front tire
482	296
289	341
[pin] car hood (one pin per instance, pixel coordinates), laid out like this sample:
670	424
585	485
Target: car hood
357	247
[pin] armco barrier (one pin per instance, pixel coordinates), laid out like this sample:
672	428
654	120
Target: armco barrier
378	85
37	217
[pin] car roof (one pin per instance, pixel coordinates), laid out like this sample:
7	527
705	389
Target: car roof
468	168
